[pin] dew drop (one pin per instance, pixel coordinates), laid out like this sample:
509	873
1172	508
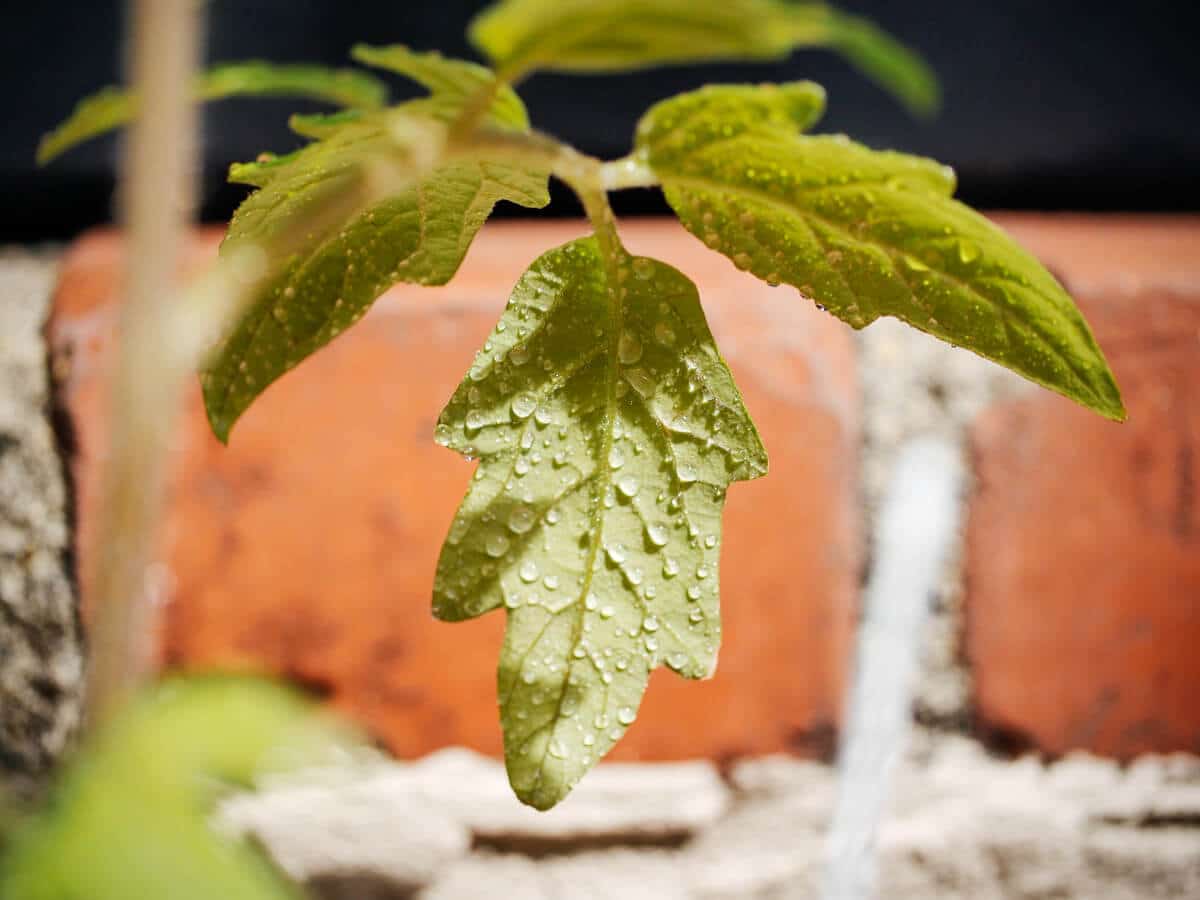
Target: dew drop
497	545
627	485
607	612
677	661
629	348
616	458
693	592
557	750
518	355
521	519
686	474
742	260
626	715
657	535
670	567
641	381
664	334
650	623
967	252
528	571
475	420
616	552
523	406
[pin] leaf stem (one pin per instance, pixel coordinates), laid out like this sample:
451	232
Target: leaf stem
584	175
627	172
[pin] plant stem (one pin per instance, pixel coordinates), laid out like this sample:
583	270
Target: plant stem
627	172
156	190
584	175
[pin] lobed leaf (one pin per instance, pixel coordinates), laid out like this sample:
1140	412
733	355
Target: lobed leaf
603	35
868	234
608	429
113	107
418	234
129	818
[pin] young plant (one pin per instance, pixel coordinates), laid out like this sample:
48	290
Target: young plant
606	424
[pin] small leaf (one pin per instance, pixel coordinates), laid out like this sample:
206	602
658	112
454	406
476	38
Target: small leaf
868	234
452	83
113	107
129	818
608	429
602	35
419	235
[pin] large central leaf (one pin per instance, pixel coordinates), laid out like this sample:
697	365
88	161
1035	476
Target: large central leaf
608	429
418	234
865	234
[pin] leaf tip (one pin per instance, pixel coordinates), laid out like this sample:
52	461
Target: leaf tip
220	424
46	150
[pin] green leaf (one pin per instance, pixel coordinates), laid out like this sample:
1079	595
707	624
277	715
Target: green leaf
452	83
128	820
418	234
608	429
603	35
113	107
869	234
884	60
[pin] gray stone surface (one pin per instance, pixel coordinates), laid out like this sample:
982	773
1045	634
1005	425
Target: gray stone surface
40	640
371	829
962	824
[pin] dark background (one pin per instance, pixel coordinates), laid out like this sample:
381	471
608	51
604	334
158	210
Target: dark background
1049	104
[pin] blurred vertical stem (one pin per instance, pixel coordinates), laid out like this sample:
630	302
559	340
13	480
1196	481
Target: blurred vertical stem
156	195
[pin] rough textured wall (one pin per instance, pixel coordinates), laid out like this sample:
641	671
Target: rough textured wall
41	661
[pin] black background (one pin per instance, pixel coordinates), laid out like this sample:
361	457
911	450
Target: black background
1049	104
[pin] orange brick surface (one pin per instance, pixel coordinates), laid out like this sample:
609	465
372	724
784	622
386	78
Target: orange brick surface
307	547
1083	552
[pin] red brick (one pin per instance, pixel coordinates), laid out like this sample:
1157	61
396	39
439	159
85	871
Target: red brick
1083	550
307	547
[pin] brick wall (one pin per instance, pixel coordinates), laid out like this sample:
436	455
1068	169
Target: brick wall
1069	617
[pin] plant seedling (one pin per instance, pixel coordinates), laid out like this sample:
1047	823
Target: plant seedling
606	424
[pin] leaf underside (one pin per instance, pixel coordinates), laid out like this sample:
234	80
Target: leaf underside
608	430
418	235
607	35
112	107
129	818
866	234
